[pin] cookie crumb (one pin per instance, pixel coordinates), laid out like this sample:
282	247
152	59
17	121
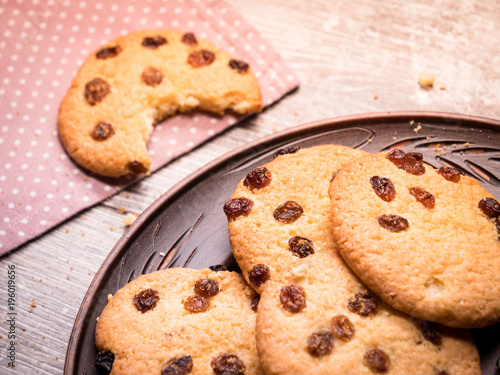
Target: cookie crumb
426	80
417	129
123	210
129	219
109	297
442	87
162	254
375	96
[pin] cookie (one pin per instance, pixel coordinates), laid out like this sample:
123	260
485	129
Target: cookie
425	240
320	319
179	321
280	212
135	81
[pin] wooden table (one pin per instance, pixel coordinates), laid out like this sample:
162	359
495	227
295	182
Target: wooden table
351	57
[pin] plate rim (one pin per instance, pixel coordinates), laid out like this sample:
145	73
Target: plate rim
129	234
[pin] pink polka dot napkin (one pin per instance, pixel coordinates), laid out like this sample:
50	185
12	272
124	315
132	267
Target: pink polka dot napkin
43	44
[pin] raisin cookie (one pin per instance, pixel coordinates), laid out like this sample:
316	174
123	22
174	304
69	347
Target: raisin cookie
135	81
320	319
179	321
425	240
280	213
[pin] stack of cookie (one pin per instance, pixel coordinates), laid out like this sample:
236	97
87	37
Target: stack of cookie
365	264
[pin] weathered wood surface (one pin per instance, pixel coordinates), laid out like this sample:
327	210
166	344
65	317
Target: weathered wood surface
346	53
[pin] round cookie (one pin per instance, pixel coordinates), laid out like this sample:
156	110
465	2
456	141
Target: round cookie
320	319
184	320
417	237
135	81
274	234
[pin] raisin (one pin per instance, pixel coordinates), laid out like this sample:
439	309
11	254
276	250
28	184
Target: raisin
152	76
342	327
227	364
104	362
96	90
206	287
377	361
102	131
146	300
200	58
300	246
412	162
397	157
293	298
288	212
450	174
259	274
393	223
363	304
237	207
384	188
286	150
431	332
490	207
238	65
258	178
189	39
441	372
196	304
154	42
424	197
255	302
136	167
178	366
320	343
108	52
218	268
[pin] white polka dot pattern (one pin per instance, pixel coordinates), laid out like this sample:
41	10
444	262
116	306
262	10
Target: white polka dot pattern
43	45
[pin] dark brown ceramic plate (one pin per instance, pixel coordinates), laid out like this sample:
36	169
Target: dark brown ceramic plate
187	227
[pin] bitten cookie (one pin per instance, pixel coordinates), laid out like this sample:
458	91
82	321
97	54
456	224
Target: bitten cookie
179	321
425	240
133	82
320	319
280	213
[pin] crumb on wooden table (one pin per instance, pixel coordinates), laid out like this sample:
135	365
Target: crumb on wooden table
426	80
129	219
